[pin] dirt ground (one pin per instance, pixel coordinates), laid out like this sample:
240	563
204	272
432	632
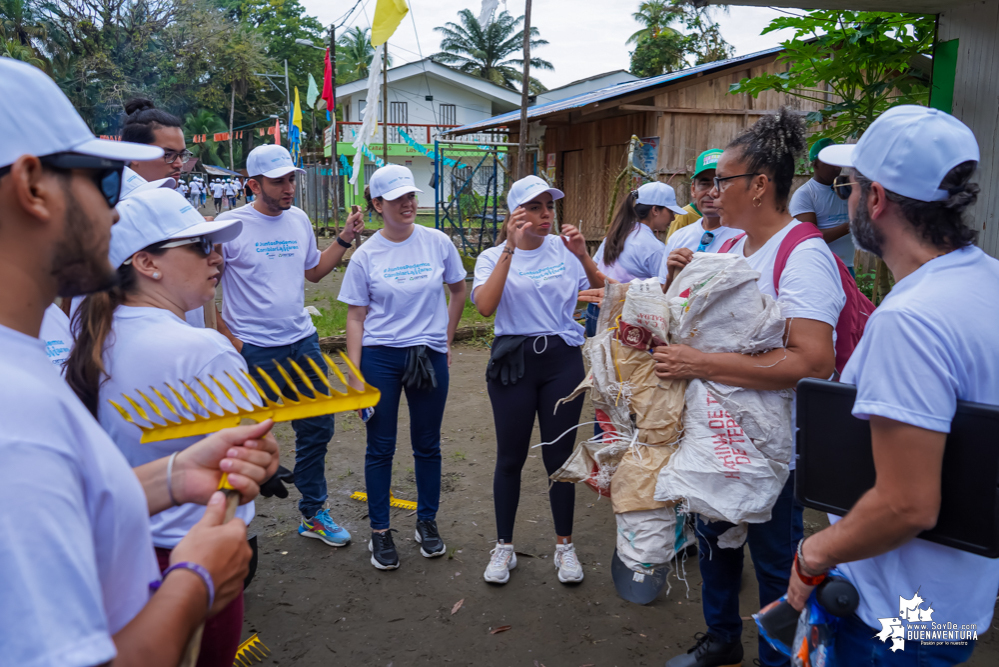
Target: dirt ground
315	605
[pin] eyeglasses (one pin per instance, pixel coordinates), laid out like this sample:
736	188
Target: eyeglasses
719	181
184	155
843	186
106	176
706	240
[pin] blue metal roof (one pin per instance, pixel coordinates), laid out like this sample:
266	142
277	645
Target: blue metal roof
609	92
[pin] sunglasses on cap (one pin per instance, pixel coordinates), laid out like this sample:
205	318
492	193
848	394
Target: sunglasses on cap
106	176
843	186
202	244
706	239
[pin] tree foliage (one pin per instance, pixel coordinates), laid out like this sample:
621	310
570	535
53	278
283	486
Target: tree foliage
660	48
354	54
871	61
488	52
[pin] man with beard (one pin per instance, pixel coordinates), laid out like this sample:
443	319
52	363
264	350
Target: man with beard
264	308
76	559
931	343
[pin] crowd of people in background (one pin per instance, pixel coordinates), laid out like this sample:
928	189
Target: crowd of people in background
130	540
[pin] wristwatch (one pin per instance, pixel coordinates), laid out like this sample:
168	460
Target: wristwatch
343	243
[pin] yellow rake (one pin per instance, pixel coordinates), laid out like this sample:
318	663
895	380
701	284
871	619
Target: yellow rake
250	651
393	502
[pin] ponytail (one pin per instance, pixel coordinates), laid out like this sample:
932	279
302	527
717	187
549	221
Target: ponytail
371	205
628	212
501	237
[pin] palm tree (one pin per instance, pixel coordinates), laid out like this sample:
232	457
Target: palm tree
354	54
655	15
208	123
485	53
20	21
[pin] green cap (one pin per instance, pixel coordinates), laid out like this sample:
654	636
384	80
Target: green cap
813	152
707	160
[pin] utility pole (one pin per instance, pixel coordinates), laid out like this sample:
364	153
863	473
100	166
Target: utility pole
232	111
287	92
525	94
385	102
334	158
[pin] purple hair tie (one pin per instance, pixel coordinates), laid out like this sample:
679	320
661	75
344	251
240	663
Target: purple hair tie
206	577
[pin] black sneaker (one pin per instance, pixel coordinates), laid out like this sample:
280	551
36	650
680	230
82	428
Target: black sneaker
431	544
709	652
383	553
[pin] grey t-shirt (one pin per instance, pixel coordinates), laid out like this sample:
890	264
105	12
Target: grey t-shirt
829	210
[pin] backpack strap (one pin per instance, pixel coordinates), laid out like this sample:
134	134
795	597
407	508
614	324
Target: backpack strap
794	238
728	245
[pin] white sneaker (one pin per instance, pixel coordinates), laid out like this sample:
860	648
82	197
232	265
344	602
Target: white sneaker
503	560
570	571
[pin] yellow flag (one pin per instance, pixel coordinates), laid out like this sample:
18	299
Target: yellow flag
388	16
296	118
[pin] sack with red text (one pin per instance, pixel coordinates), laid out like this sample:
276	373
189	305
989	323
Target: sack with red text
718	472
645	319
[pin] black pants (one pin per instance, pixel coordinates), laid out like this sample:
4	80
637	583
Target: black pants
552	369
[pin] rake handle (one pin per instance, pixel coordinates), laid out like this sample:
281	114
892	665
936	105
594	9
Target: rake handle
190	656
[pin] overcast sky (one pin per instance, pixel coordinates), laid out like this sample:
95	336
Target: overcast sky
586	37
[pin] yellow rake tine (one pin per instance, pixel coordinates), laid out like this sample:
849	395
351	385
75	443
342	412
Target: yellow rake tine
350	366
125	414
155	408
211	395
273	385
319	373
242	391
168	405
138	408
260	641
263	396
305	378
337	371
223	390
180	398
197	398
290	383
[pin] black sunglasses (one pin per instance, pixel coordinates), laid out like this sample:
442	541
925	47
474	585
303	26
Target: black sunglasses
107	176
203	244
843	186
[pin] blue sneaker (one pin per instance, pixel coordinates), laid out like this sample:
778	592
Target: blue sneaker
323	527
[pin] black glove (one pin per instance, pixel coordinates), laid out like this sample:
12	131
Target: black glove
506	363
285	475
274	487
419	372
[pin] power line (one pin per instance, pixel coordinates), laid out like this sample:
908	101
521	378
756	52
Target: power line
343	19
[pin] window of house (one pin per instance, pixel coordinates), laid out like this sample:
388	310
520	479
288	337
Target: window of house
448	114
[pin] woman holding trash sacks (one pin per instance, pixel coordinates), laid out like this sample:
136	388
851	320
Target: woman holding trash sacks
631	250
751	191
77	566
930	344
133	337
530	281
399	333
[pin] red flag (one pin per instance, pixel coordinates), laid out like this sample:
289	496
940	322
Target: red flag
328	94
277	130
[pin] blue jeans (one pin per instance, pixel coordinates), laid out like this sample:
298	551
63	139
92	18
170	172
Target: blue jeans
772	546
856	646
312	434
383	368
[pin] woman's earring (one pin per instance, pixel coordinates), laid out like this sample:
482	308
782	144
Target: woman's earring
757	202
156	275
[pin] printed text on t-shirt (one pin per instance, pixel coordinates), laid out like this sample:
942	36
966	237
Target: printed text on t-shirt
275	249
545	274
408	272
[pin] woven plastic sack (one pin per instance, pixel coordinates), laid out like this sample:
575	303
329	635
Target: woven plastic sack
651	538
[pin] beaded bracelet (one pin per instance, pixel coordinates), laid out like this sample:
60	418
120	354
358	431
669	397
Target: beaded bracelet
205	575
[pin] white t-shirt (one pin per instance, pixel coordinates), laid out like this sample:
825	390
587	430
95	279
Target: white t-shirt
930	343
230	190
541	291
640	258
217	190
401	284
196	318
690	237
195	188
829	210
56	336
76	558
182	188
263	284
810	285
151	346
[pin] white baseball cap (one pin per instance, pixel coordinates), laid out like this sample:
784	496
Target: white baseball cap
36	118
659	194
160	214
528	188
270	160
909	150
132	183
391	182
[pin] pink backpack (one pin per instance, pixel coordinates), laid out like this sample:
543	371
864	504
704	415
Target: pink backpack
856	311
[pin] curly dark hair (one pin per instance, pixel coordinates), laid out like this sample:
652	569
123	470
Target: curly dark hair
143	119
772	146
942	223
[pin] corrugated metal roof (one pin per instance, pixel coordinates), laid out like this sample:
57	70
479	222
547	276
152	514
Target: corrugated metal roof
609	92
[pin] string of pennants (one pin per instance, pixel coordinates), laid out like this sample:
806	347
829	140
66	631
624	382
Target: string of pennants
108	137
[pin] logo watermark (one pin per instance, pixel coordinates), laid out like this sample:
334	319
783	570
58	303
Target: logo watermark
916	624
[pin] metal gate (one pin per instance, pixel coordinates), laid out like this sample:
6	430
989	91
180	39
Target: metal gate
468	203
314	195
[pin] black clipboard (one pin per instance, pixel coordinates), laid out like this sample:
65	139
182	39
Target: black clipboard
834	465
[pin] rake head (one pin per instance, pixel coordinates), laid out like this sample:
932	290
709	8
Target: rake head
167	422
250	651
393	501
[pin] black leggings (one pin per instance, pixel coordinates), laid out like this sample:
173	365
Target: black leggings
552	369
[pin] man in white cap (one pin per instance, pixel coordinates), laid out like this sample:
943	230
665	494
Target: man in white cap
218	190
76	552
930	344
263	306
